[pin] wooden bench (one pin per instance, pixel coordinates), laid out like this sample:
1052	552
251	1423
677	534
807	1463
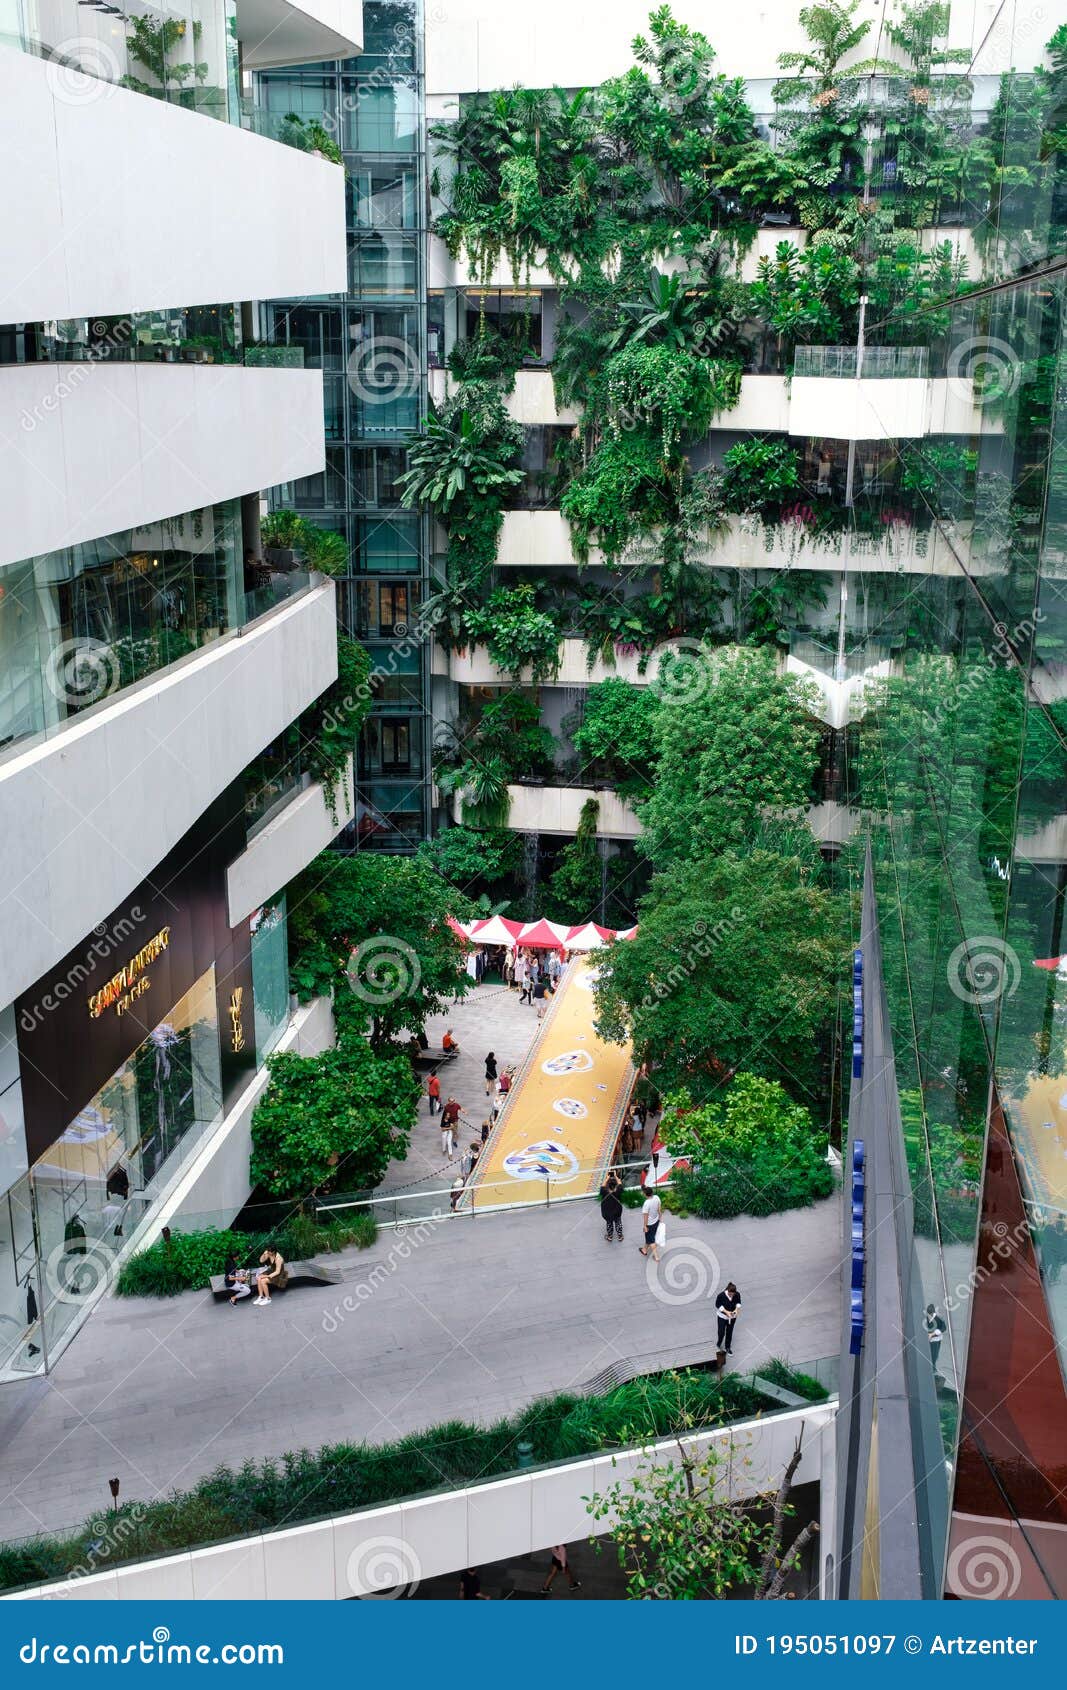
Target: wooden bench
433	1058
300	1273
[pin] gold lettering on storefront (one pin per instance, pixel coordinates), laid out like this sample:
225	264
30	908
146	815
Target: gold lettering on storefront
237	1032
130	983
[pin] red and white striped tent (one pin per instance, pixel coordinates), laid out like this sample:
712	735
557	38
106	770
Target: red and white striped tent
497	930
538	935
544	935
589	937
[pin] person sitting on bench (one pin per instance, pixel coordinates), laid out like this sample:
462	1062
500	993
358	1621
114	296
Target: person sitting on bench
449	1045
236	1279
272	1275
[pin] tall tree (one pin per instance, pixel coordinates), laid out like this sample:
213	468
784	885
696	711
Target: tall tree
375	929
735	739
733	966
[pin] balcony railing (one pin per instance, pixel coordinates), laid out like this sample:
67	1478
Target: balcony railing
878	363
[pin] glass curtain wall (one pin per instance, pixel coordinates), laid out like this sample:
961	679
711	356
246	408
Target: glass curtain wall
185	53
370	347
961	761
77	625
65	1221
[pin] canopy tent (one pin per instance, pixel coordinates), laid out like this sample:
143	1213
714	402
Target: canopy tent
497	930
589	937
1054	964
626	933
544	935
538	935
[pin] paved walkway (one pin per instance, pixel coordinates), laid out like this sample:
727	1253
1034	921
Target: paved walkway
489	1018
470	1317
565	1110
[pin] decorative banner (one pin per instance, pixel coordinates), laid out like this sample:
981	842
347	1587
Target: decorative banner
568	1062
547	1160
570	1107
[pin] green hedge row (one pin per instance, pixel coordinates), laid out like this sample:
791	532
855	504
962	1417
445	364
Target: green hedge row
339	1478
187	1260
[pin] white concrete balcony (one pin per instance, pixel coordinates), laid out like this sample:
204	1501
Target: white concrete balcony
474	667
289	841
101	802
532	402
833	408
942	549
115	202
92	448
557	809
541	540
278	32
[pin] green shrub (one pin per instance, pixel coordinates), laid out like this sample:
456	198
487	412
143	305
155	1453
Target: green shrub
188	1260
753	1152
779	1372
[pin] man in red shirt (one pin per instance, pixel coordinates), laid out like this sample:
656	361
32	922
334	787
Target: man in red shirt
433	1092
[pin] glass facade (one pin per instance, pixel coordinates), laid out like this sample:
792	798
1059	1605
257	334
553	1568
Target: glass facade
185	54
961	759
80	1204
371	347
77	625
270	975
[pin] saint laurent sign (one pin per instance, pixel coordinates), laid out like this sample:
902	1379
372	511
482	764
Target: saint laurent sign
131	982
237	1032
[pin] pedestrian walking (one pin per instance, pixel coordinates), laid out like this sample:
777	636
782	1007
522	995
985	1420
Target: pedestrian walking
651	1210
457	1192
727	1304
433	1092
449	1118
490	1074
935	1331
611	1209
522	978
470	1586
560	1564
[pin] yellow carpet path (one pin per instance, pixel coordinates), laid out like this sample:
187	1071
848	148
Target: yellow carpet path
565	1107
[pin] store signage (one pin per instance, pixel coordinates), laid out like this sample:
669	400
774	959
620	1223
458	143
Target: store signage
237	1033
131	981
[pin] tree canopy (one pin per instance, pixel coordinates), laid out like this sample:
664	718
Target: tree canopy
735	739
734	965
